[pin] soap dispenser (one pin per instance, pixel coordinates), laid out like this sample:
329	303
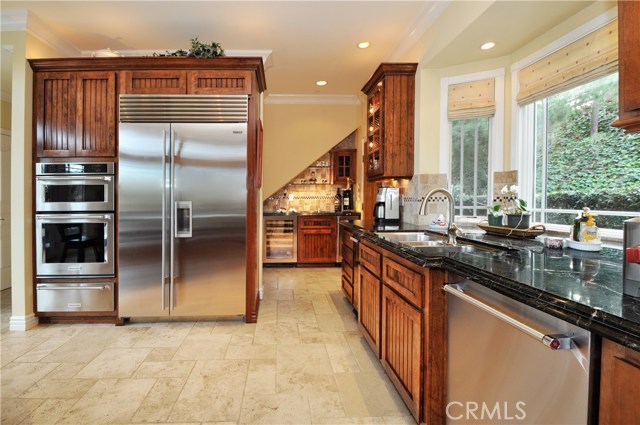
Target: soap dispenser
589	232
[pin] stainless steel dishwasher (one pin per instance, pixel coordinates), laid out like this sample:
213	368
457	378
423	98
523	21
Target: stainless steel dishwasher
511	363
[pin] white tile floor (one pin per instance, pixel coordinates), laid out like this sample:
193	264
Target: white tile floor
304	362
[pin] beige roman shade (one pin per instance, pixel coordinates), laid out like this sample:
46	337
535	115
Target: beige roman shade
584	60
474	99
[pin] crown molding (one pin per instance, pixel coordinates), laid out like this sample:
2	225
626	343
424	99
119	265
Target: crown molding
428	15
23	20
309	99
264	54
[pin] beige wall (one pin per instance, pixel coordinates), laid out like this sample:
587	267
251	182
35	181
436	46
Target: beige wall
24	46
428	96
296	135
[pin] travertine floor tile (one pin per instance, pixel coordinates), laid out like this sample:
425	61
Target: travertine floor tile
158	403
169	369
203	347
115	363
305	361
213	392
109	401
283	408
57	388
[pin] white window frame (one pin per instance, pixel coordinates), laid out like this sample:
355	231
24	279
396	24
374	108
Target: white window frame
523	150
496	125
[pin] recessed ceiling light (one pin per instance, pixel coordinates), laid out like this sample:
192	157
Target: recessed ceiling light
487	46
363	45
321	83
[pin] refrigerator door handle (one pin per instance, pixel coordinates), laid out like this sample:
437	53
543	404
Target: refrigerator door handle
172	270
164	215
183	218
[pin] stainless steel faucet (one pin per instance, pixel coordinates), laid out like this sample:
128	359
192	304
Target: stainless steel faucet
452	230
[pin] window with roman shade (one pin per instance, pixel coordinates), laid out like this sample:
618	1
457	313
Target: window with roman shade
591	57
474	99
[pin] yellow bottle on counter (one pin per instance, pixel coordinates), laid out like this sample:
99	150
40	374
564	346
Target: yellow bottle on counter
589	232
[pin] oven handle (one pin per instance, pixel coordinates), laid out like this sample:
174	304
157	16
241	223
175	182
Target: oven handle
74	177
554	342
56	218
164	214
45	287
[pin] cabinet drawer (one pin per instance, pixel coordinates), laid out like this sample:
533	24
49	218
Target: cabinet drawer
405	281
347	255
346	239
316	222
347	272
370	259
347	288
64	297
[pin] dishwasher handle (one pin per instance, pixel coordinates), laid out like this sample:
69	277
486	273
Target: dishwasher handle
553	341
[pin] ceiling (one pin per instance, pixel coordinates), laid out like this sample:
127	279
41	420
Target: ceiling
307	40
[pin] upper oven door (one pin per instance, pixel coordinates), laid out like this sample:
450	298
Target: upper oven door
74	193
74	245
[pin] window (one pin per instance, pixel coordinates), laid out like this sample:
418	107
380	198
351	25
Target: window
581	160
472	137
470	165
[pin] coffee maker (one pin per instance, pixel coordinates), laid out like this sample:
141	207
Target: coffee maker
631	266
387	207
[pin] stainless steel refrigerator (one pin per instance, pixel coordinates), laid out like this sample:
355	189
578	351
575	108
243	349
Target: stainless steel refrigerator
182	176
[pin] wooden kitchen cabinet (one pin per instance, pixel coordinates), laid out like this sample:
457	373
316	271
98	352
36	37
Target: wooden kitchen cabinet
348	265
185	82
401	347
629	66
370	294
403	317
317	239
390	121
619	384
343	165
75	114
153	82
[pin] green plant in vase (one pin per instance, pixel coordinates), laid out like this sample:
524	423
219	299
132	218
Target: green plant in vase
495	215
516	210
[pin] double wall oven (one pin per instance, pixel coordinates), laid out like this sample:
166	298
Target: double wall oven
74	232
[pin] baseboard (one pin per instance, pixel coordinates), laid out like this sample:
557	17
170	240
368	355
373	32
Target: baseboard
22	323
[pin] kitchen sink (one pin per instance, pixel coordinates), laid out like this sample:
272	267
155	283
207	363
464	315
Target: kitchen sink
434	245
403	237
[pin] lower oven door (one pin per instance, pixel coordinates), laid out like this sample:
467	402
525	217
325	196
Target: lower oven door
65	297
74	245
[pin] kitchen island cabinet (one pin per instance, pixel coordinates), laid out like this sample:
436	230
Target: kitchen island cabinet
348	266
619	384
402	314
629	66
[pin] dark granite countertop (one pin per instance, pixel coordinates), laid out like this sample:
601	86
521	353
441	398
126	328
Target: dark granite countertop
340	214
583	288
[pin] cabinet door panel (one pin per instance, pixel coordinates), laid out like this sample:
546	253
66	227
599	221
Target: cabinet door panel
401	347
370	259
619	384
55	111
405	281
369	309
95	114
316	246
153	82
219	82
